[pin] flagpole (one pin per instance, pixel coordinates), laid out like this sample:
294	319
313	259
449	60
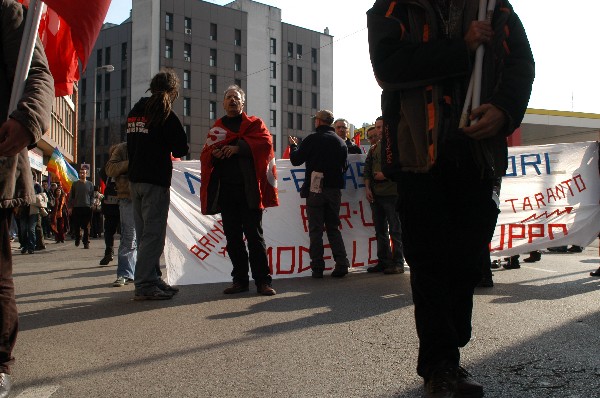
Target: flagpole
32	24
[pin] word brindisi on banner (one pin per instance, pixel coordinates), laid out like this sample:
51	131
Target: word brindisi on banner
550	197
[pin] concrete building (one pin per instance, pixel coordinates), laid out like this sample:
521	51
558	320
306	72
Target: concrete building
286	70
541	126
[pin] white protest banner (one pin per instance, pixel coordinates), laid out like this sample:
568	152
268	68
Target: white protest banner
549	198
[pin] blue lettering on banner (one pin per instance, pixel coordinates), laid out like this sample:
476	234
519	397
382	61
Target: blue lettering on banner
534	162
189	177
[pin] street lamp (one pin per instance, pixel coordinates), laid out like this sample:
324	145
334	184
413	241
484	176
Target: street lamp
108	69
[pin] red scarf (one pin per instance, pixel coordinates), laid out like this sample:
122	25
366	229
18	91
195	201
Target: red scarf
254	132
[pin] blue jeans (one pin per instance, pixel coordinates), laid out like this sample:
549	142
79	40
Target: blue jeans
128	245
385	218
28	223
150	213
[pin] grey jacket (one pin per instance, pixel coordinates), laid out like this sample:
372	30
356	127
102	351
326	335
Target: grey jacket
33	109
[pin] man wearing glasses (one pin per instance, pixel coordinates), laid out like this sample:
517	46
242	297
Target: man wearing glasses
341	129
382	194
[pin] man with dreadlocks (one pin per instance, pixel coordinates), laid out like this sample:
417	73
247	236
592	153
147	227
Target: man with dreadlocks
422	52
154	133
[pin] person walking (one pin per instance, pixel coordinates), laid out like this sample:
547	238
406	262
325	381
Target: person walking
19	128
422	54
110	211
325	155
235	165
154	133
59	215
80	202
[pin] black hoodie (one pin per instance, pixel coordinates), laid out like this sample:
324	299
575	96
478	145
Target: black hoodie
150	150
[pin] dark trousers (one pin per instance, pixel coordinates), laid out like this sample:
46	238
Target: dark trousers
239	221
387	224
324	209
9	319
111	222
82	217
448	219
96	224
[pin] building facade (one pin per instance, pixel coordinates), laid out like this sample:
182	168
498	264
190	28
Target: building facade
285	70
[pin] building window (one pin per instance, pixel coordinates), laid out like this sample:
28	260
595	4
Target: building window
187	106
299	74
107	56
290	50
273	70
169	49
299	98
212	59
212	110
168	21
107	82
237	62
83	109
290	96
123	78
98	136
187	51
99	57
106	109
98	84
187	25
98	110
314	77
273	46
290	73
313	100
83	87
298	121
123	106
187	79
313	55
290	122
238	37
106	136
273	94
298	51
213	31
124	51
212	84
273	118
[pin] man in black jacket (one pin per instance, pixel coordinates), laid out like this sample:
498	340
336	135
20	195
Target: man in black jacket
422	53
341	127
325	155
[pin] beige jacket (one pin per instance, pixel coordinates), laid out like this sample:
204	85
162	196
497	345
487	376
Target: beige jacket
117	167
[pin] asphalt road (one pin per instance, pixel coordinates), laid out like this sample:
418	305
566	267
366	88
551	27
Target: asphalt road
536	334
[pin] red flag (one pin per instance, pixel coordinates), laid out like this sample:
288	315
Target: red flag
102	186
357	139
68	30
286	153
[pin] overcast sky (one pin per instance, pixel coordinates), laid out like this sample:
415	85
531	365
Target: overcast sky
562	36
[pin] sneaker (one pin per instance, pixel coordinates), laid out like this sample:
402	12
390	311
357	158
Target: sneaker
106	259
121	281
442	383
5	385
376	268
164	286
339	271
236	287
265	289
152	293
86	245
394	269
317	274
495	264
466	386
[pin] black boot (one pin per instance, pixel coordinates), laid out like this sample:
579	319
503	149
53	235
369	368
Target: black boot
533	257
108	256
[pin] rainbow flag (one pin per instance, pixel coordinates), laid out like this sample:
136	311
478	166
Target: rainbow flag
66	174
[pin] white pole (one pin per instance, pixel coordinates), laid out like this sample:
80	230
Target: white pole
32	23
477	71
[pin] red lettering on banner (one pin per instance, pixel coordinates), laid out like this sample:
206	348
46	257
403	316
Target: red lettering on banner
527	203
204	242
198	252
512	202
578	179
354	263
539	198
278	264
550	195
512	235
501	244
301	252
540	234
551	228
560	190
362	215
568	186
223	251
345	215
372	260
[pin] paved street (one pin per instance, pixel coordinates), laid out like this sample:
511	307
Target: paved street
536	334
